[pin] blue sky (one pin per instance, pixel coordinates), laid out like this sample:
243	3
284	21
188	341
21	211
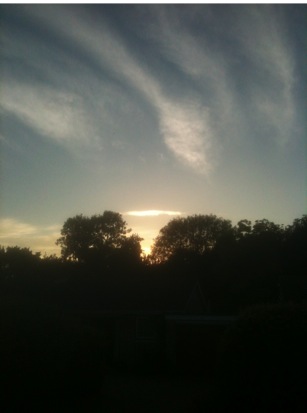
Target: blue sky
177	109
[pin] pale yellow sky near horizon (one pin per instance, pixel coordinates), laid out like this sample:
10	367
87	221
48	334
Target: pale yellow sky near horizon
43	239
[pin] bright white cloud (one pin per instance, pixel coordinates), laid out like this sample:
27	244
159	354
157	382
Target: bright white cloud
187	133
152	213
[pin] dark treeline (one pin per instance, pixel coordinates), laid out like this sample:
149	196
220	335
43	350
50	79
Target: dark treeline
236	266
47	352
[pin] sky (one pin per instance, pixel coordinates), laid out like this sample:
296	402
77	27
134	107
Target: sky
153	111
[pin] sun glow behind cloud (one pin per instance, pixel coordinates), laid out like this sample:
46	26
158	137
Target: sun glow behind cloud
152	213
147	223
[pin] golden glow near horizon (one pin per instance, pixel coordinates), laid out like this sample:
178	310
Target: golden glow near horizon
147	224
43	238
146	250
153	213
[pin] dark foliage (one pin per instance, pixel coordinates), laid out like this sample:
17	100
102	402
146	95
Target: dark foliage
50	356
99	240
235	266
189	237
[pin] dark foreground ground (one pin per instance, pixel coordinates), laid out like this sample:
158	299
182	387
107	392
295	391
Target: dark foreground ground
261	367
122	393
152	394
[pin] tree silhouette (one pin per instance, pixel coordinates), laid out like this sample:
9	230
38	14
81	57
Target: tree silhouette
195	234
90	239
296	236
243	228
262	226
16	260
294	260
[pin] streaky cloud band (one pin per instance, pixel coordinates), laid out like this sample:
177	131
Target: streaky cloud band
152	213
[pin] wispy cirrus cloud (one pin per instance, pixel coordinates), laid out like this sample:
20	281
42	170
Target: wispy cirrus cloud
183	123
192	125
260	35
52	113
187	133
264	40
